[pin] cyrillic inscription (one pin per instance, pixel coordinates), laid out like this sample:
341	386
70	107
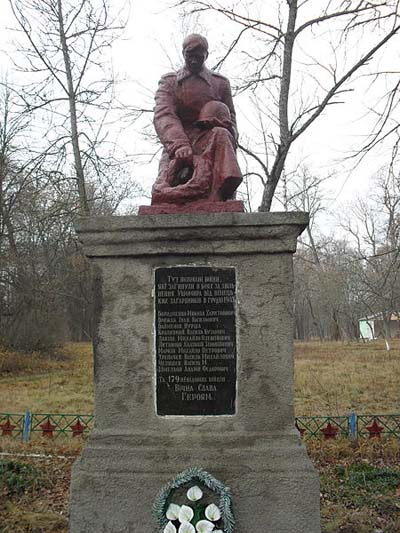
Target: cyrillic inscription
195	340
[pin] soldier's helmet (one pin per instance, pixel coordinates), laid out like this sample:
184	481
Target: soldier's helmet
214	113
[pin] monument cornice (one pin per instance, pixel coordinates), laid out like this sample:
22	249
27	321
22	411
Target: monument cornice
192	234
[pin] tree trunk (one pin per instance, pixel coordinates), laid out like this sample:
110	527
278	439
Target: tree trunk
80	176
284	131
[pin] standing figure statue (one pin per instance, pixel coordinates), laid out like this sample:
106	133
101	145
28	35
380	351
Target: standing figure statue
195	121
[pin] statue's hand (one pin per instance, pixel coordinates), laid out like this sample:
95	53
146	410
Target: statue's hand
185	152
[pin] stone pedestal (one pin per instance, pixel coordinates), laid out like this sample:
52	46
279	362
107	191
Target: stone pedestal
133	451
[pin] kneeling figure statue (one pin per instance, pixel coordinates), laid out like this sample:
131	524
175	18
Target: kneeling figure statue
195	120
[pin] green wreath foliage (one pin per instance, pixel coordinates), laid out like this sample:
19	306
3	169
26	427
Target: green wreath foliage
225	498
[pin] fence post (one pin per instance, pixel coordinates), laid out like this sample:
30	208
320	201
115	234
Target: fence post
27	427
353	427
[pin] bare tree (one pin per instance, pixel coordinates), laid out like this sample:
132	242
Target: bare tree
324	303
66	52
298	59
385	110
20	187
374	225
45	280
327	296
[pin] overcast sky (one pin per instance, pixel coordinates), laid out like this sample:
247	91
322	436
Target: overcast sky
151	43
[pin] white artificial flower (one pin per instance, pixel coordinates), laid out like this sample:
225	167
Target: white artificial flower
186	527
170	528
194	493
173	512
204	526
213	513
185	514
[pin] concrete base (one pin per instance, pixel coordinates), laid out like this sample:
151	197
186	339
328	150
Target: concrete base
275	488
133	452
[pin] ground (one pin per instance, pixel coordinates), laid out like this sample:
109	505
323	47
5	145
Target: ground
360	484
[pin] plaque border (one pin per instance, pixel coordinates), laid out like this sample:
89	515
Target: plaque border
236	306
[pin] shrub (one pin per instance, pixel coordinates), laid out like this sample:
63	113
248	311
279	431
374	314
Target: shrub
19	477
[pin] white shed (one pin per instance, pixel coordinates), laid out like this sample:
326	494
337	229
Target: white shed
372	327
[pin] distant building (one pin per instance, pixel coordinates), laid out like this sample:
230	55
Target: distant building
374	326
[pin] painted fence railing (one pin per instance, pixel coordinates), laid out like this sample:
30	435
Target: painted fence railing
353	426
49	425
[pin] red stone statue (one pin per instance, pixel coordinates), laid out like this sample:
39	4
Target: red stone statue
195	120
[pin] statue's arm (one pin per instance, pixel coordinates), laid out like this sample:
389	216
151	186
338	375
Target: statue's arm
166	122
228	100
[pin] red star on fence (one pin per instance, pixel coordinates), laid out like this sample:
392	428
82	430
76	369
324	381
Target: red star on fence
300	430
7	428
375	430
47	429
330	431
78	429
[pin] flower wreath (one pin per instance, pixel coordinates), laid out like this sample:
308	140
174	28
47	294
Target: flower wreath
165	511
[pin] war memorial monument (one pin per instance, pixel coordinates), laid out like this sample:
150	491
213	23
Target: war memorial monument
193	348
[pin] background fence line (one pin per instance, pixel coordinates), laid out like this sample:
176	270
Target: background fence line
53	425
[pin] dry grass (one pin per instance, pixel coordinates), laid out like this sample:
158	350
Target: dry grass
51	383
13	364
61	446
350	503
333	378
43	508
359	485
19	519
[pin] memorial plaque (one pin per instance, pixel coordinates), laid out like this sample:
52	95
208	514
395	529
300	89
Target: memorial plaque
195	326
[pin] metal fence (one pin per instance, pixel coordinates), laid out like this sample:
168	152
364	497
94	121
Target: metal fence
353	426
28	425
